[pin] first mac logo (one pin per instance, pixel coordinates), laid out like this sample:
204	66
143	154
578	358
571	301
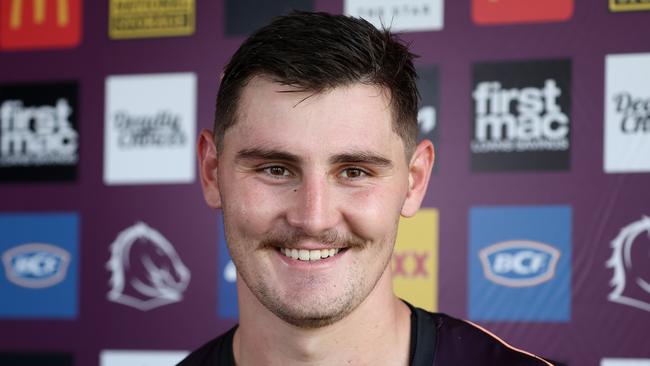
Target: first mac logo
36	265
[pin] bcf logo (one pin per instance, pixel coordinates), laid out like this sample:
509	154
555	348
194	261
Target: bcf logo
36	265
29	24
519	263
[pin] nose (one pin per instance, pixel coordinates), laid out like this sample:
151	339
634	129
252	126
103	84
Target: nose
313	208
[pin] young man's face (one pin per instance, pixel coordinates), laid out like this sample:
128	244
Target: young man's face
319	176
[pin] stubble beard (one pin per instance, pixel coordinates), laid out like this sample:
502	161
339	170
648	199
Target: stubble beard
320	310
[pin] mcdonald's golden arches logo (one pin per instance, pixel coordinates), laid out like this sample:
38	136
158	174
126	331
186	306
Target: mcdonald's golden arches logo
32	24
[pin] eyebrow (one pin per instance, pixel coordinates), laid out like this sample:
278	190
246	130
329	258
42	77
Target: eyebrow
266	154
362	157
356	157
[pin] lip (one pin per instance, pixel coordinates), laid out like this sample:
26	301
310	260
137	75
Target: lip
311	265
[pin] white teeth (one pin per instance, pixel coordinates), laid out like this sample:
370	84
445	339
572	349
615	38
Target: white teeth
309	255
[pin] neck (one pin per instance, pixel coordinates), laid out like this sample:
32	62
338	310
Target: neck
377	332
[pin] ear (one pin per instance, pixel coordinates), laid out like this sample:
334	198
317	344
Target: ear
419	174
208	164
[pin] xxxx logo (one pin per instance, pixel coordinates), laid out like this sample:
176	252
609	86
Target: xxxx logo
415	260
411	264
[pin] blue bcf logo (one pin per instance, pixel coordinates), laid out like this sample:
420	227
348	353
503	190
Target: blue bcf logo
227	278
36	265
520	259
39	260
519	263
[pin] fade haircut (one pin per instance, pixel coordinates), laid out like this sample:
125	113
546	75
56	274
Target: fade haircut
317	52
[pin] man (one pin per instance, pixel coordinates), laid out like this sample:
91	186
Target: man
313	160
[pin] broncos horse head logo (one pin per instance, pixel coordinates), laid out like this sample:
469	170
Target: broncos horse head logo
630	261
146	270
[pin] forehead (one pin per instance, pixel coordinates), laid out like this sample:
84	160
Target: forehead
355	116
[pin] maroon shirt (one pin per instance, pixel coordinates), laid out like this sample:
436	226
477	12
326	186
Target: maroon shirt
436	340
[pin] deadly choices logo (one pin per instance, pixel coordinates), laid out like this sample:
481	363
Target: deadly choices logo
630	263
627	113
522	115
149	128
39	267
39	137
519	264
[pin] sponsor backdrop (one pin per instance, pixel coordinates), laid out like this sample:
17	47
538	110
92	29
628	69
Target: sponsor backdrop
536	224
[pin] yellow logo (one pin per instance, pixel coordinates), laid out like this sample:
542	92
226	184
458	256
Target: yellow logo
151	18
415	260
38	13
628	5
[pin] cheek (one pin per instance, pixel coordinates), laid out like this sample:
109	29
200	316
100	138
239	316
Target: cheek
374	214
249	208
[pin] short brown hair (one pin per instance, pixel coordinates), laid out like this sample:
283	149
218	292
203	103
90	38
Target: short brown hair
319	51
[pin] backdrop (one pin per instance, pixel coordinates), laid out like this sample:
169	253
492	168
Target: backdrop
534	224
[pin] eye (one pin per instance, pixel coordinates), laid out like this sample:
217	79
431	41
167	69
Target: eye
276	171
353	173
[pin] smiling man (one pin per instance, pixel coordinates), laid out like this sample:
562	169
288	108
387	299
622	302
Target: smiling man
313	160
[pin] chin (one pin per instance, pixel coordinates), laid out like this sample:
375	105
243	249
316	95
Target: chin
311	310
311	320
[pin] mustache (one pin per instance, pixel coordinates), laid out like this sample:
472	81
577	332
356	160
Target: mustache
330	238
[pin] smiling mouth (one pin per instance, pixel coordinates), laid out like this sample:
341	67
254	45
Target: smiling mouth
310	255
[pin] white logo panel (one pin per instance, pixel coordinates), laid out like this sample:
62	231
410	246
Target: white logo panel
140	358
399	15
624	362
150	128
627	113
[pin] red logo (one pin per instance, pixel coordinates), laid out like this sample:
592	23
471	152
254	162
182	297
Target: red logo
490	12
29	24
410	264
